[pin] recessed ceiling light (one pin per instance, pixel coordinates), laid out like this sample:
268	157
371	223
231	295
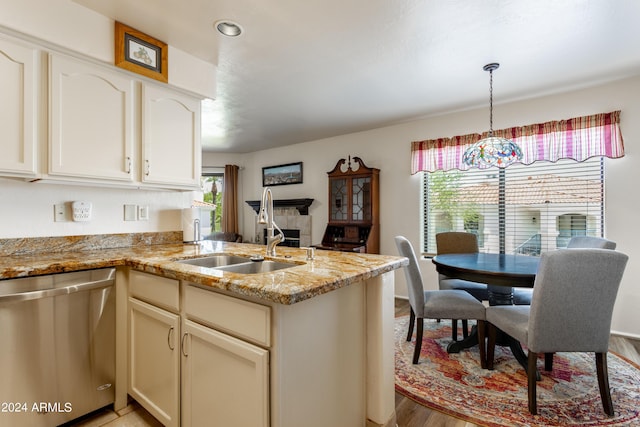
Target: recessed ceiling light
228	28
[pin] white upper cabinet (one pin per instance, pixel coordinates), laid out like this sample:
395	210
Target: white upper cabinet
170	138
18	109
91	121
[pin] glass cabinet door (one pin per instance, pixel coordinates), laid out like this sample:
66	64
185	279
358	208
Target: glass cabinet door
361	199
339	200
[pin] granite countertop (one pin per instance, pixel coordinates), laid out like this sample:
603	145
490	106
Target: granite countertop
329	270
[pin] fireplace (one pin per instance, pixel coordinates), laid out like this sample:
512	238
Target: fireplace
291	237
292	216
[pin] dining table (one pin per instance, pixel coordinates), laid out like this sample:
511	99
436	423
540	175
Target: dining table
501	273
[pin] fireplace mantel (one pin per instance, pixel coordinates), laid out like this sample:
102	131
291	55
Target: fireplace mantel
301	204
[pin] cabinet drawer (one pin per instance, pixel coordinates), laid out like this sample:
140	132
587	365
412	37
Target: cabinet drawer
241	318
155	289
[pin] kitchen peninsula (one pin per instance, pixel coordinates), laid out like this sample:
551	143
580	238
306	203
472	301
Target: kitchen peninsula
315	340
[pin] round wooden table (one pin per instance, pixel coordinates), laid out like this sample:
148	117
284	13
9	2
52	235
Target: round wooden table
501	273
493	269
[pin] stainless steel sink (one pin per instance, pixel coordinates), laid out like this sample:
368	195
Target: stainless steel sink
214	261
257	267
237	264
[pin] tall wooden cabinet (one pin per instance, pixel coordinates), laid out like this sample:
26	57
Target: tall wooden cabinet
354	208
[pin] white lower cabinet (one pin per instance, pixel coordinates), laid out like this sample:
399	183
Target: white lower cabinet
154	360
225	381
190	373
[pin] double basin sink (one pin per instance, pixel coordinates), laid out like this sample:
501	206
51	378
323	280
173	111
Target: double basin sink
238	264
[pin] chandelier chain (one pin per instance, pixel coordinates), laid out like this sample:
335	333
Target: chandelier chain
491	151
491	102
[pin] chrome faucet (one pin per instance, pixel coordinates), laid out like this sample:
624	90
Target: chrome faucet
266	217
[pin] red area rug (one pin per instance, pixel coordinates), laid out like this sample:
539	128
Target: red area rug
456	385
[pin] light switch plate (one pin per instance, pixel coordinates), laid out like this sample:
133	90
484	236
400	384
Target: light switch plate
60	212
130	213
143	213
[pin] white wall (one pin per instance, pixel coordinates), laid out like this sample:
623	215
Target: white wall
27	209
389	149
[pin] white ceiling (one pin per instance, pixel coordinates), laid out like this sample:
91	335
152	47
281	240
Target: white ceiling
309	69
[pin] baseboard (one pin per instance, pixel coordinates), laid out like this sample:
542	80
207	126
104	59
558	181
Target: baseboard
390	423
626	335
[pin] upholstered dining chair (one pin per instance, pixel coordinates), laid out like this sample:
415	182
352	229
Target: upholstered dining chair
458	242
523	296
437	304
573	297
590	242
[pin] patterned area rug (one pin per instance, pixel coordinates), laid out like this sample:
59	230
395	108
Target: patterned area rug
456	385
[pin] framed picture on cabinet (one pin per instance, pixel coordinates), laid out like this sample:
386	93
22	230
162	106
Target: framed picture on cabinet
291	173
140	53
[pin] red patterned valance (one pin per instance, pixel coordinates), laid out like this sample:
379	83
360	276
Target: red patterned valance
579	138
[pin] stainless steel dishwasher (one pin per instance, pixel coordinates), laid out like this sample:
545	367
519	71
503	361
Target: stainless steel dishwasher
57	347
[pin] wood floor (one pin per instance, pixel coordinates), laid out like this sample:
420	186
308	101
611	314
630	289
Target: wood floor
409	414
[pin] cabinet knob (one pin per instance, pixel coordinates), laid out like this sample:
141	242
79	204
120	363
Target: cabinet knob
147	168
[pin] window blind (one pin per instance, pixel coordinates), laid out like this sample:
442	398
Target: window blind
543	204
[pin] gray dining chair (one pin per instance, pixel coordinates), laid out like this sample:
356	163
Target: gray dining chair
573	297
590	242
437	304
523	296
458	242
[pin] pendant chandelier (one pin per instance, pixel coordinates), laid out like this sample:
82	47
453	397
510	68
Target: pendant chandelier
492	151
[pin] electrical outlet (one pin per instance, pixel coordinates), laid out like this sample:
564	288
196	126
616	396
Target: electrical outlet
60	212
143	213
130	213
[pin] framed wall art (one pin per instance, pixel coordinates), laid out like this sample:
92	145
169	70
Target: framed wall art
140	53
291	173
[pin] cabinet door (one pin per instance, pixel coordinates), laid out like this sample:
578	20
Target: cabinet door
91	121
339	199
154	360
18	118
171	138
225	380
361	199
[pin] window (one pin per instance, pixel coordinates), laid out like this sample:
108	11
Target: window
212	186
555	192
544	204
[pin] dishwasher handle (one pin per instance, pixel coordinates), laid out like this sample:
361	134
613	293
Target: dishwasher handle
65	290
